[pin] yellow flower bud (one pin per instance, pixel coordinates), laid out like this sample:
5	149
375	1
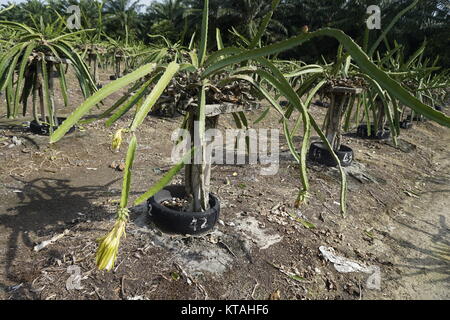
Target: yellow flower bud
117	140
109	246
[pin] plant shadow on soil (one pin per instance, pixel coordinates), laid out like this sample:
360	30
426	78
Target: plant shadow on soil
47	207
434	259
423	246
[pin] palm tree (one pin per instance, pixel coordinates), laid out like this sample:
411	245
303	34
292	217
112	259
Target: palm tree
121	16
171	10
28	11
169	17
247	15
428	20
90	11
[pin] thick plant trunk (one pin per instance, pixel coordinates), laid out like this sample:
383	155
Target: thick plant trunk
118	61
94	58
381	121
35	99
39	80
10	106
341	97
51	89
339	102
198	172
89	62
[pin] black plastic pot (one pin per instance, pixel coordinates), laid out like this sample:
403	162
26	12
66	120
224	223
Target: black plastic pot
319	153
284	103
178	222
405	124
418	118
112	77
364	133
322	104
44	129
161	114
439	108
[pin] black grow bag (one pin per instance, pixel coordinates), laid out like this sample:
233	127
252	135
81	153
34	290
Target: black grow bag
44	128
405	124
319	153
179	222
284	103
417	117
362	132
322	104
166	114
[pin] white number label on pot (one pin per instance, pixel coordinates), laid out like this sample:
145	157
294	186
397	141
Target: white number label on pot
199	224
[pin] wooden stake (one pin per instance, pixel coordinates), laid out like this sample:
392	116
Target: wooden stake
35	97
96	79
340	99
51	89
118	60
381	116
40	91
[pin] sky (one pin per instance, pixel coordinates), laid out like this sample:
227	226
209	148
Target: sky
6	1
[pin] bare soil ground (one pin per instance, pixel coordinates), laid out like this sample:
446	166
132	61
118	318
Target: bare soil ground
398	216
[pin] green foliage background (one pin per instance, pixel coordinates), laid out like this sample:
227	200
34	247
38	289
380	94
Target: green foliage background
177	20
